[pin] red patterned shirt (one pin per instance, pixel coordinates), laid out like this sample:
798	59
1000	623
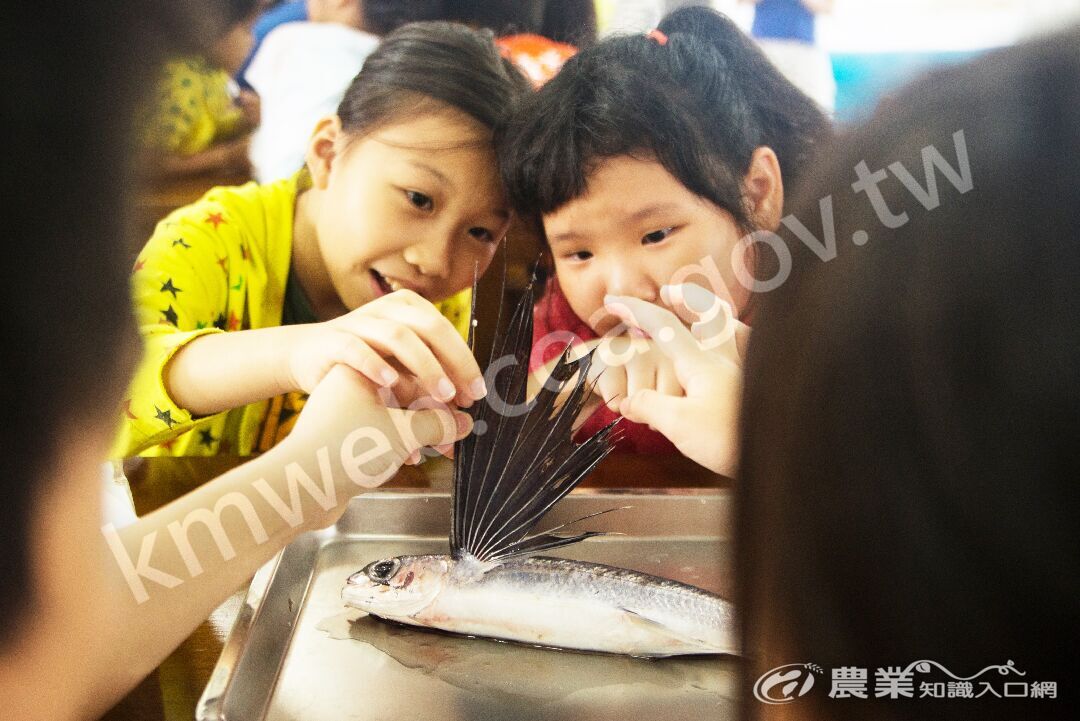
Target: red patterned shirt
553	315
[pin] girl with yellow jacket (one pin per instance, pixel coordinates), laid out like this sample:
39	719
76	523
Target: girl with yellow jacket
249	296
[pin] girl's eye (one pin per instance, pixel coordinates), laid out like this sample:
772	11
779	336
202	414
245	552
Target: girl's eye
580	255
482	234
421	201
656	236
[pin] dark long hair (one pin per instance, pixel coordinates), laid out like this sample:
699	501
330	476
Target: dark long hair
700	104
233	11
420	62
567	21
570	21
67	327
385	16
911	435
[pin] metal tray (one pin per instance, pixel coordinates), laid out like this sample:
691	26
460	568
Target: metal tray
295	653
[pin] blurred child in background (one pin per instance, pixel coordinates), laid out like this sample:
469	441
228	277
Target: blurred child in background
277	14
301	71
787	31
364	258
199	121
537	35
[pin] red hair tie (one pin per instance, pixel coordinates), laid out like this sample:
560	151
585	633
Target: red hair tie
658	36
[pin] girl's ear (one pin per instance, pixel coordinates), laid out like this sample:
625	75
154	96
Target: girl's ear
763	187
322	150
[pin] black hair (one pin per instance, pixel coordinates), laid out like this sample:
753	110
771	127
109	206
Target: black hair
420	62
502	17
67	326
382	17
235	11
567	21
911	429
570	21
700	104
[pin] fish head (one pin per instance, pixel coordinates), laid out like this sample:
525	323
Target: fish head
397	587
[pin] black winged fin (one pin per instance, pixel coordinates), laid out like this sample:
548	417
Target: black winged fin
521	459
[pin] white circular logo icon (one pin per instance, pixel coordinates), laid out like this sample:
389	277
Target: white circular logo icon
786	683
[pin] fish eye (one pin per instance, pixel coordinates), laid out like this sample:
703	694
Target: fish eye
383	571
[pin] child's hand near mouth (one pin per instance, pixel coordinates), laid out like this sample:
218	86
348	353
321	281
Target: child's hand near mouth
691	392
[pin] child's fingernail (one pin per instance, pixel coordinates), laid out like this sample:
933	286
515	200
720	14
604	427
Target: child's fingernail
610	300
672	294
478	389
446	389
464	422
389	377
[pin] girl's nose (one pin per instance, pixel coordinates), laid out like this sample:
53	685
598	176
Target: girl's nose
625	278
431	257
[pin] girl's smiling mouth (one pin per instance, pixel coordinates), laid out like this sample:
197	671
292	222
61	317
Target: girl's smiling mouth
384	285
380	284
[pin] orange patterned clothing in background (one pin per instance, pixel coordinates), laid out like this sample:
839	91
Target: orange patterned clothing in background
535	55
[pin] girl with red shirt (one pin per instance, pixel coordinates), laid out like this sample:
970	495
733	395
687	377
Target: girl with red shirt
651	160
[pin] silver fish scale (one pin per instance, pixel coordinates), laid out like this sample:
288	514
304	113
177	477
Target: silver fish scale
620	587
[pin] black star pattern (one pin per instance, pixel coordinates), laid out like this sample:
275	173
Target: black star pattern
180	242
168	287
170	315
206	438
220	321
165	417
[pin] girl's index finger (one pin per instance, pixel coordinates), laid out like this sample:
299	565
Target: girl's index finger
712	318
444	340
694	303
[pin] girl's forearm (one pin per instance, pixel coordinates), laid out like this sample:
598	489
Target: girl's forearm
191	538
218	372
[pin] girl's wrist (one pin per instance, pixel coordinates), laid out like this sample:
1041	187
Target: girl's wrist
289	343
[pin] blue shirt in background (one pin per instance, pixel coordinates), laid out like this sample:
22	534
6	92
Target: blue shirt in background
783	20
287	12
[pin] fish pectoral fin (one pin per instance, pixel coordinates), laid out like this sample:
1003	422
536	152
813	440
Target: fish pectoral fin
654	626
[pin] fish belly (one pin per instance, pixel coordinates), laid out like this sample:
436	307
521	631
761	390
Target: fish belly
585	624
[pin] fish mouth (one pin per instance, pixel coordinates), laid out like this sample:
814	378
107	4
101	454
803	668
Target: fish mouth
363	595
358	579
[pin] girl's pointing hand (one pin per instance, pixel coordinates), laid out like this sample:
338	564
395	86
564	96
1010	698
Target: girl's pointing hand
399	333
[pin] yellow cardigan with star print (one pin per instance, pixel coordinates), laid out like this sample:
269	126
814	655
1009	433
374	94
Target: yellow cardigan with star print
193	109
215	266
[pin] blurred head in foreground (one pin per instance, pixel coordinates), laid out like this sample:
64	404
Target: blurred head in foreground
910	463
